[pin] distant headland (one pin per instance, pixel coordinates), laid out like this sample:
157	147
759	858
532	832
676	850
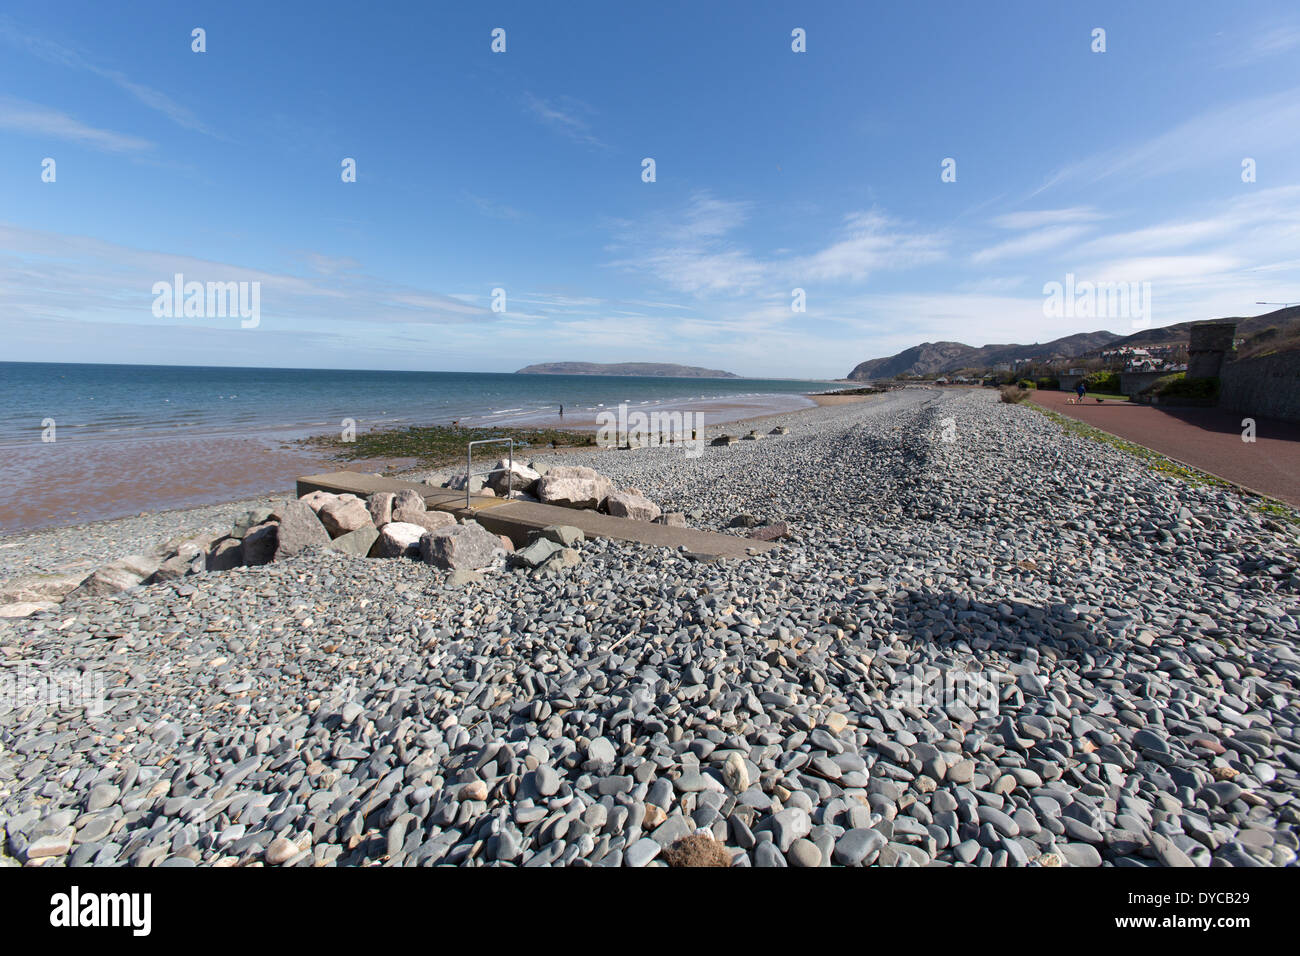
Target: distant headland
659	369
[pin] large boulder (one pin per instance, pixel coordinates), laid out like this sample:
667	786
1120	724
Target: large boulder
398	539
301	528
580	471
260	541
674	519
249	519
357	542
458	483
565	535
118	576
461	547
564	558
380	506
26	608
409	500
188	559
539	552
524	478
428	520
627	504
315	500
186	544
40	588
574	486
226	554
341	516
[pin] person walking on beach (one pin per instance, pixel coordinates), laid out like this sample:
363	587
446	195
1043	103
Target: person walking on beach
561	409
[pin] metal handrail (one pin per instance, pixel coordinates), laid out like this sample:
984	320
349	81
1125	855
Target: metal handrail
469	464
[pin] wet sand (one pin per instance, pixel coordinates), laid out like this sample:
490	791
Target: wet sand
74	482
842	399
63	483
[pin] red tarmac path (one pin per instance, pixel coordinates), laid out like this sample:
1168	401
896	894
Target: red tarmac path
1208	439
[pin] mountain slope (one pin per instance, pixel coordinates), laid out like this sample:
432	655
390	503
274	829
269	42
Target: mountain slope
934	357
1286	322
1273	331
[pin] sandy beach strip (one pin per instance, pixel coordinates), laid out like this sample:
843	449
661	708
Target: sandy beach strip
75	482
91	510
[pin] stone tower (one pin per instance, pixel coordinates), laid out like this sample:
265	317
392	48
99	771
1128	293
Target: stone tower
1210	342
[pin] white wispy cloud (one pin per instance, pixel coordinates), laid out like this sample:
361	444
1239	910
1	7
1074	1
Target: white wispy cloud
871	242
692	250
1223	134
1039	218
52	276
1268	220
1030	244
35	120
1279	38
566	115
1252	42
493	209
61	55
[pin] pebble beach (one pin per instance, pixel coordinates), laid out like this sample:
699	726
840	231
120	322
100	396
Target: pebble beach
984	642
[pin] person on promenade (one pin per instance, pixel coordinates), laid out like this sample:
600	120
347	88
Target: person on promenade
1080	390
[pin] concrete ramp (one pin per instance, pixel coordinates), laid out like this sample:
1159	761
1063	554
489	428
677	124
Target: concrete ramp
516	519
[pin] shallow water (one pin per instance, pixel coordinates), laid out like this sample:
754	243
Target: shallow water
146	438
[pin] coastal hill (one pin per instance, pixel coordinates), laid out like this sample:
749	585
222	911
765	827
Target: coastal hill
649	369
1277	331
1272	332
931	357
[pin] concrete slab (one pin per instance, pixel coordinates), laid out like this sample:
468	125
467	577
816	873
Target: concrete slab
515	519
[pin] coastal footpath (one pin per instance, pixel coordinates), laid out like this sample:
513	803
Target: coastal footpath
985	641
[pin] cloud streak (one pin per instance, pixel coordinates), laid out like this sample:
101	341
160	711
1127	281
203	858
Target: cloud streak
566	116
64	56
47	275
691	251
33	119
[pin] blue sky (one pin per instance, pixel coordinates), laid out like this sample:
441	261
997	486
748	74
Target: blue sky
521	170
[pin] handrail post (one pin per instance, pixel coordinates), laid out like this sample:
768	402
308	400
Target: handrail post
469	465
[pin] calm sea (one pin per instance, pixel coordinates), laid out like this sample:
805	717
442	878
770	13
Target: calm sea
117	402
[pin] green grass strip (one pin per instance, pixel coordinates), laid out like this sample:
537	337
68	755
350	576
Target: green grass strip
434	445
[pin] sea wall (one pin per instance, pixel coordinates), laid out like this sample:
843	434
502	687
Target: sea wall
1209	343
1130	383
1267	387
